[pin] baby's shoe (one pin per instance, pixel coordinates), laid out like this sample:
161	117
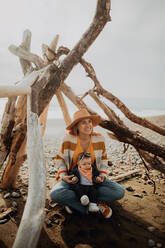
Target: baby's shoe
105	210
68	210
93	207
84	200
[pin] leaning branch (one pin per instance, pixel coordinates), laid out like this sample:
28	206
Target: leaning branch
119	104
100	19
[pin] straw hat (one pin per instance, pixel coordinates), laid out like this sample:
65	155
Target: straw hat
83	114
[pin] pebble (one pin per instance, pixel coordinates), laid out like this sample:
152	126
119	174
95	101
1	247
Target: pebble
14	204
3	221
151	243
163	201
15	195
7	195
56	222
151	228
138	195
129	188
48	223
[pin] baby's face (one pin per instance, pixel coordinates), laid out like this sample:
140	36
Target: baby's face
85	163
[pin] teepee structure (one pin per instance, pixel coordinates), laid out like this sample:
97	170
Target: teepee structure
25	115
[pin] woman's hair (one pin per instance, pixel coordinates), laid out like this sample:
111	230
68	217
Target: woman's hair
74	131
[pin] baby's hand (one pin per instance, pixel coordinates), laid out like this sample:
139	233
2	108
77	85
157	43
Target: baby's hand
74	179
99	179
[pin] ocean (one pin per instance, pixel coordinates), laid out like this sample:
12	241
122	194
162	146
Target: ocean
143	107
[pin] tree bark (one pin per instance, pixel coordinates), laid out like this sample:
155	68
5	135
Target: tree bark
6	129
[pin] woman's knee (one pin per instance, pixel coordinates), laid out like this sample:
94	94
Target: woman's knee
120	192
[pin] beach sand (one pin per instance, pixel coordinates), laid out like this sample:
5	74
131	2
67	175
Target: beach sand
137	218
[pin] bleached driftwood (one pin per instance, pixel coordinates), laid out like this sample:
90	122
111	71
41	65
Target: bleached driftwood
22	53
126	175
33	215
48	52
26	42
43	119
117	102
63	106
107	110
14	90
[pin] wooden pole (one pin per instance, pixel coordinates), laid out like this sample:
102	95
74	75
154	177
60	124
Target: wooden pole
63	106
33	215
14	90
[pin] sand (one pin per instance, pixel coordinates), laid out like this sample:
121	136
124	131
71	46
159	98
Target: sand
137	218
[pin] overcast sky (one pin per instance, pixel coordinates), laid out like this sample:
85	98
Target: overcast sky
128	56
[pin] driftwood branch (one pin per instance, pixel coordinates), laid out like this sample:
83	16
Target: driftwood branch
100	19
23	54
33	216
119	104
126	175
26	42
107	110
63	106
123	134
49	52
6	129
99	89
130	137
14	90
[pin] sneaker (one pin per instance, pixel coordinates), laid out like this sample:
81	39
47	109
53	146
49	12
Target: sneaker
52	204
84	200
93	207
68	210
105	210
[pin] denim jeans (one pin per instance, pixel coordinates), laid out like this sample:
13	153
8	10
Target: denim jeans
107	191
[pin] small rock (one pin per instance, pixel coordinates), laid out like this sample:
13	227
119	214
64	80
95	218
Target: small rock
129	188
2	202
138	195
15	195
14	204
110	163
151	243
48	223
151	228
7	195
163	201
56	222
3	221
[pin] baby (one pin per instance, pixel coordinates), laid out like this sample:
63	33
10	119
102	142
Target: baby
85	187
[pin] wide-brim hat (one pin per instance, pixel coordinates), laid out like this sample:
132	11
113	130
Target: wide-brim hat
83	114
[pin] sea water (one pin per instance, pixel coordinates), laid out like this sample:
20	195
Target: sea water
143	107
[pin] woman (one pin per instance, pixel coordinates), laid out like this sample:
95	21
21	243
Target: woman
81	138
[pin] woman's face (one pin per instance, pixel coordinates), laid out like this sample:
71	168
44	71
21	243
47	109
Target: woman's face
85	126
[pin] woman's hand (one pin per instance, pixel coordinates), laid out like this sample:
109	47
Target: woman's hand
74	179
100	179
70	179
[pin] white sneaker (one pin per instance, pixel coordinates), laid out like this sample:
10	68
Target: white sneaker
84	200
68	210
93	207
105	210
